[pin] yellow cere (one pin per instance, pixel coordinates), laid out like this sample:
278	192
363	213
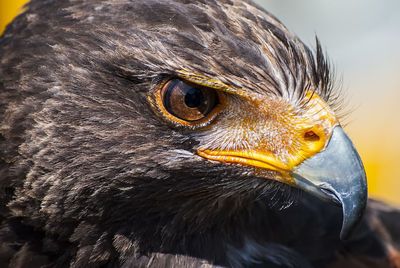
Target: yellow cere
308	131
296	135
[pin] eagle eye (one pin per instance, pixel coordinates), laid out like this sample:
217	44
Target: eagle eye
187	101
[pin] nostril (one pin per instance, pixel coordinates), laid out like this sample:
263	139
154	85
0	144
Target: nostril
311	136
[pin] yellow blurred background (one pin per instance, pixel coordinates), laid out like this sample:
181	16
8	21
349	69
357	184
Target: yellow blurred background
362	38
8	10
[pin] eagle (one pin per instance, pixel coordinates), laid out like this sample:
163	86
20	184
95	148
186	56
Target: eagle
177	133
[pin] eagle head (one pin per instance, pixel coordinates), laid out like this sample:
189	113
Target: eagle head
142	126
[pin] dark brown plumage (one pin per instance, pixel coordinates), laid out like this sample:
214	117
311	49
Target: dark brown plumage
93	175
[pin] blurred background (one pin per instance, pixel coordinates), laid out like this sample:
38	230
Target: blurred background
362	40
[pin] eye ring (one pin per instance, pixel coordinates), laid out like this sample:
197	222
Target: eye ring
188	104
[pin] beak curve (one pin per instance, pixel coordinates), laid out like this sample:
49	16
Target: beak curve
336	174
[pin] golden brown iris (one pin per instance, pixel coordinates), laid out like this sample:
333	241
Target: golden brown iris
189	104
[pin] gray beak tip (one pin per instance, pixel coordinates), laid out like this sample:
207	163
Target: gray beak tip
352	214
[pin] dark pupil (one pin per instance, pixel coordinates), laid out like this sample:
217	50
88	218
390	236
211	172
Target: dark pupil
194	97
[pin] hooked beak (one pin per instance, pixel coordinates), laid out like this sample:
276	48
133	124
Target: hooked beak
336	174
